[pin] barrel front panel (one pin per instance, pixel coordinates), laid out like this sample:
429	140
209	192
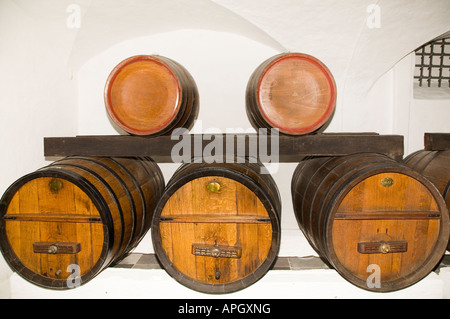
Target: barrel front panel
51	224
215	236
389	220
151	95
145	96
294	93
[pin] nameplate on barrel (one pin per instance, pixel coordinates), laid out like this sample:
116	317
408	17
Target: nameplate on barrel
383	247
216	251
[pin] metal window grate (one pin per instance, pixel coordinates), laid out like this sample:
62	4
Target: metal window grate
433	64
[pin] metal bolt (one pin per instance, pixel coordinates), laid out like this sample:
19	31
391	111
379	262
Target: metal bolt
215	252
385	248
213	187
387	182
55	185
52	249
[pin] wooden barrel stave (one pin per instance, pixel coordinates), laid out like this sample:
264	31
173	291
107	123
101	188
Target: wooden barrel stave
434	165
111	189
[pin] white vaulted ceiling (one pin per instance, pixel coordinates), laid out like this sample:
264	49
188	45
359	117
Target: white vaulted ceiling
334	31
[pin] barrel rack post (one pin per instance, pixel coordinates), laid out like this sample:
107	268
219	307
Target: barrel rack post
437	141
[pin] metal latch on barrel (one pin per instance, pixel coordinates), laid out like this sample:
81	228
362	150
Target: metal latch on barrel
56	248
216	251
383	247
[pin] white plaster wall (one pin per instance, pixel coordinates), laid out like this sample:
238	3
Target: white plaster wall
416	111
220	62
37	96
53	77
423	118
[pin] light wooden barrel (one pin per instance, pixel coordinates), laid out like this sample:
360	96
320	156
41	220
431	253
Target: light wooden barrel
216	228
293	92
76	217
151	95
380	224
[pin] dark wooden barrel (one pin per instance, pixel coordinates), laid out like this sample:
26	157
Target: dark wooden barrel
380	224
293	92
78	215
216	228
435	166
151	95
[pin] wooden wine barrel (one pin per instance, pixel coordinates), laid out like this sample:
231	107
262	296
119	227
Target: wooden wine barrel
77	216
435	166
380	224
151	95
293	92
216	228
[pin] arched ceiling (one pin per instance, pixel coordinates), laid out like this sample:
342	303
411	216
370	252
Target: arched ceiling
106	23
336	32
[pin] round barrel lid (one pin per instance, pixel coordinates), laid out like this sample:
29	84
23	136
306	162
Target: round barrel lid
142	95
52	232
390	222
296	93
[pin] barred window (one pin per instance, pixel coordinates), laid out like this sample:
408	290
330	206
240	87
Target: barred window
433	64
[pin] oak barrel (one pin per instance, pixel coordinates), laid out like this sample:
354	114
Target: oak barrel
293	92
380	224
76	217
435	166
151	95
216	228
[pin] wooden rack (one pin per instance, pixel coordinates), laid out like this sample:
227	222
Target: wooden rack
437	141
290	148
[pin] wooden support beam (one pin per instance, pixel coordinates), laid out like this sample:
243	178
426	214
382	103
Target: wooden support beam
265	147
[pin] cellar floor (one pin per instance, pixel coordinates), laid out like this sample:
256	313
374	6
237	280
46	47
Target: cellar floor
297	274
149	261
140	276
